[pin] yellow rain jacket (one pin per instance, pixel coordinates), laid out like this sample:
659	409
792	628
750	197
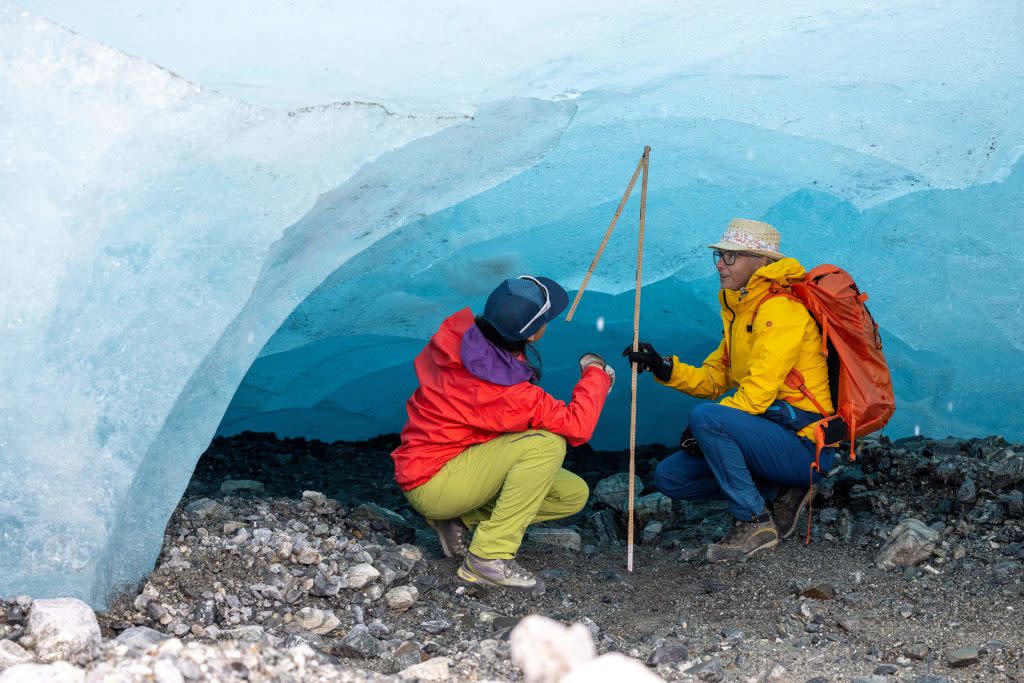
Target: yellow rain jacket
761	351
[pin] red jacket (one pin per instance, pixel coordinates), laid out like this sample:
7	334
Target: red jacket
454	409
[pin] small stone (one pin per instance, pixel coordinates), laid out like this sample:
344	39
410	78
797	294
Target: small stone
819	591
436	669
561	538
850	624
968	492
670	652
401	598
916	651
307	556
204	507
963	656
410	552
909	544
383	519
64	629
885	670
777	674
359	643
360	575
248	633
140	638
236	486
326	586
436	625
232	527
710	671
315	497
12	654
651	532
318	621
373	592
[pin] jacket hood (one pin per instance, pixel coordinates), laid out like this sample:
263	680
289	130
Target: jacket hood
785	271
459	342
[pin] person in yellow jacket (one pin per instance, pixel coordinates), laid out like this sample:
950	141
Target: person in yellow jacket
754	447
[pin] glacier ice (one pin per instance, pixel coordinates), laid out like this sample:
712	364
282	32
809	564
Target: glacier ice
307	195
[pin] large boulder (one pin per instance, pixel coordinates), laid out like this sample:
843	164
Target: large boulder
546	651
64	629
613	667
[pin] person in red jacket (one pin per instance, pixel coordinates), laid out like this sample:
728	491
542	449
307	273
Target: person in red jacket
483	446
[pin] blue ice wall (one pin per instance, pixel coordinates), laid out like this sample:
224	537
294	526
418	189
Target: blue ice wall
189	187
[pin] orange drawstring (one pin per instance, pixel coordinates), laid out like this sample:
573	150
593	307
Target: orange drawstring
819	443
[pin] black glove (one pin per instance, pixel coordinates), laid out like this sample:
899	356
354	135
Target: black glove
647	358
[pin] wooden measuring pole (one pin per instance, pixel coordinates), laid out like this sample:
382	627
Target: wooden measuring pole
645	162
615	219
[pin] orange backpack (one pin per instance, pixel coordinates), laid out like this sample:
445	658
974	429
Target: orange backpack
859	377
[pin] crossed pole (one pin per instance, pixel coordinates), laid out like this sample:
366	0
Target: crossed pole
643	165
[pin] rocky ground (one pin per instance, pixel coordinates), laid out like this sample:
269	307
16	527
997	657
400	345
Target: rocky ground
294	560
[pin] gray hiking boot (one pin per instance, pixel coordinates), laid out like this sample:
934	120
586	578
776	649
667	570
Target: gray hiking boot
504	573
788	506
743	540
452	534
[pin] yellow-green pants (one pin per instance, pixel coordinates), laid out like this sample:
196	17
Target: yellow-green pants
502	486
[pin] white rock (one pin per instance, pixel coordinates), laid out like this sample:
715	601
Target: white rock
314	497
436	669
165	672
61	672
140	638
360	575
546	651
64	628
909	544
12	654
613	667
401	598
320	622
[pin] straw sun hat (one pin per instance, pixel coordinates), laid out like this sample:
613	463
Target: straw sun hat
755	237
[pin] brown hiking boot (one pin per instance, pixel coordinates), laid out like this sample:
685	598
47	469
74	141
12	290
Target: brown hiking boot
452	534
787	508
743	540
504	573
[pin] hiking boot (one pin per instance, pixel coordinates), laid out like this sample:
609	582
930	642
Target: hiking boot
452	534
504	573
744	539
787	508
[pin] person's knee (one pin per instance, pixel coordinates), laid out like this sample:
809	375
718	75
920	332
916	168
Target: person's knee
667	479
543	444
703	416
576	494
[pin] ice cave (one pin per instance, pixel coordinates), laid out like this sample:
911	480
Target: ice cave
212	226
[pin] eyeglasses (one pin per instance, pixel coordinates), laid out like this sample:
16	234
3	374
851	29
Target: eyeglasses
544	308
728	257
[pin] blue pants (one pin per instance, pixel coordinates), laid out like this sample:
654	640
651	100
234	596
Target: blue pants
747	460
